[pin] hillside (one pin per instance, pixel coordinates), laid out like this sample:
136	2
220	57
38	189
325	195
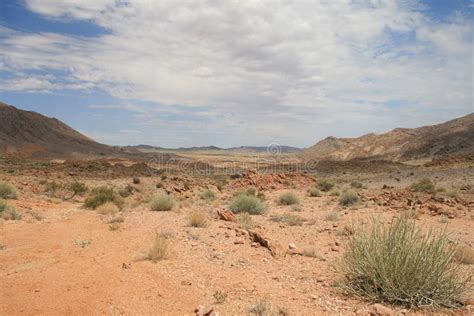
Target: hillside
25	134
401	144
241	149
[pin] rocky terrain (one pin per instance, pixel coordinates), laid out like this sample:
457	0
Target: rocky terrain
455	137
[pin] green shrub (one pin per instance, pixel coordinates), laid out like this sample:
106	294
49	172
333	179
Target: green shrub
8	212
251	191
207	195
290	219
335	193
247	203
78	188
424	184
7	191
357	185
162	202
102	195
288	198
314	192
325	185
348	198
398	264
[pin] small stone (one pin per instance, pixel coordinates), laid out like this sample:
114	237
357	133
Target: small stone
254	245
292	246
238	242
37	290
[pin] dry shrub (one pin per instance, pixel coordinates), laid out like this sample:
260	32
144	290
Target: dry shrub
102	195
348	198
314	192
244	203
397	264
107	208
197	219
162	202
288	198
207	195
245	220
290	219
7	191
464	254
8	212
425	185
325	185
160	250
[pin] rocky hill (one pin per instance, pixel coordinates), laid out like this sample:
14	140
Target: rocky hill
25	134
401	144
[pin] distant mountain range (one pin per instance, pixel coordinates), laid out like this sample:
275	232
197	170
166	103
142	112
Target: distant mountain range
401	144
241	149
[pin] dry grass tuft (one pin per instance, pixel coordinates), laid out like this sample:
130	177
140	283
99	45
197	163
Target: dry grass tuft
397	264
425	185
197	219
325	185
289	198
7	191
289	219
160	250
8	212
314	192
207	195
102	195
244	203
162	202
107	208
245	220
348	198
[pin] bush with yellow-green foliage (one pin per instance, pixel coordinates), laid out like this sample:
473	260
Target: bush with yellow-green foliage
399	264
162	202
314	192
101	195
244	203
8	212
348	198
289	198
7	191
207	195
325	185
424	185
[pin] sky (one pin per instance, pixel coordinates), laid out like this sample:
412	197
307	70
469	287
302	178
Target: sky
230	73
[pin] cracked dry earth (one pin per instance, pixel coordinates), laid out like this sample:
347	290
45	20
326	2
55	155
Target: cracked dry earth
63	259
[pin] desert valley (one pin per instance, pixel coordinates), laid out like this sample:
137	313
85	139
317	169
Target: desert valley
88	228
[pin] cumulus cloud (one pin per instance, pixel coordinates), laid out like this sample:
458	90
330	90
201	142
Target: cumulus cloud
267	70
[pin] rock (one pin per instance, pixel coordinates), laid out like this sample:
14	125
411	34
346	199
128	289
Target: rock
238	242
136	181
380	310
225	215
292	246
275	249
205	311
469	302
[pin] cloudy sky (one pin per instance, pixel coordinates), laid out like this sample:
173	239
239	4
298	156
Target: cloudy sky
228	73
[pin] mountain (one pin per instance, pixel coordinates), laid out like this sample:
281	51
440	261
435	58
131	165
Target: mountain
241	149
26	134
401	144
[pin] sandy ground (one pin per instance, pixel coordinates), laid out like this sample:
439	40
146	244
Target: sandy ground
63	259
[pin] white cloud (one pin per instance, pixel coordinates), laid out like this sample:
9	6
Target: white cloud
262	69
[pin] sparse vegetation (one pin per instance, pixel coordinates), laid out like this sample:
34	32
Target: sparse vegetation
335	193
207	195
260	308
7	191
50	188
332	217
325	185
348	198
314	192
464	254
162	202
220	297
289	219
424	185
197	219
251	191
101	195
245	220
247	203
77	188
8	212
312	253
160	250
107	208
453	193
397	264
288	198
357	185
127	191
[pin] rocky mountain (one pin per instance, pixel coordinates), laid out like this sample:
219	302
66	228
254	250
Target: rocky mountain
25	134
401	144
241	149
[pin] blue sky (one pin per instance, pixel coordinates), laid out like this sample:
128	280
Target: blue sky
227	74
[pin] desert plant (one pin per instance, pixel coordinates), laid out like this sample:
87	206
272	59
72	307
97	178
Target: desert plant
260	308
312	253
453	193
220	297
77	188
335	193
197	219
50	188
102	195
357	185
7	191
288	198
314	192
162	202
127	191
464	254
332	217
397	264
290	219
348	198
207	195
251	191
160	249
245	220
325	185
107	208
247	203
424	184
8	212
